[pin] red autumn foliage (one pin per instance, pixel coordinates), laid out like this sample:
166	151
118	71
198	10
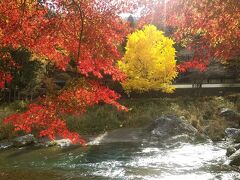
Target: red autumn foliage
43	119
6	63
87	32
46	117
213	24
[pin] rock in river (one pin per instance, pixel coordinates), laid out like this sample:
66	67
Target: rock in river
63	142
46	142
235	158
230	150
166	127
5	145
24	140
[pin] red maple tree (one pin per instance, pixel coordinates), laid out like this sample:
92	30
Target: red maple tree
87	32
210	29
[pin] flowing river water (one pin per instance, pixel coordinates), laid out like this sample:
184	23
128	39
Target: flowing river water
185	161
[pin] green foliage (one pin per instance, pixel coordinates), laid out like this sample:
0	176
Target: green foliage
30	74
149	61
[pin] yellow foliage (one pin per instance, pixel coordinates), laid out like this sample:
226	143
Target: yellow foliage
149	61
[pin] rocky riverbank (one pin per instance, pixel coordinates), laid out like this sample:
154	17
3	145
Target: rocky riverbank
210	115
166	131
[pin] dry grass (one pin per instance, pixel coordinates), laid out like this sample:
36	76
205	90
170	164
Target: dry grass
201	112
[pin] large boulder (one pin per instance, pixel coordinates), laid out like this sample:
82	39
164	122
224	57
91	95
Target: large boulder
167	127
230	115
234	159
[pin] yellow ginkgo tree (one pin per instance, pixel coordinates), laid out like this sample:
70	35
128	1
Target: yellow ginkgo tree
149	61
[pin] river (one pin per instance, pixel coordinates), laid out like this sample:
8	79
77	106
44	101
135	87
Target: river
186	161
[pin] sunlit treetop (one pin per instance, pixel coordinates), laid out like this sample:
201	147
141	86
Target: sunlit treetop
149	61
